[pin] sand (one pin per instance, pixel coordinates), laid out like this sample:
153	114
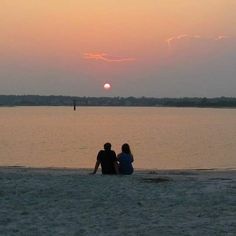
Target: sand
72	202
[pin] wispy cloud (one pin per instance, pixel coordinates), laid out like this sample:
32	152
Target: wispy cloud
171	40
181	36
221	37
107	58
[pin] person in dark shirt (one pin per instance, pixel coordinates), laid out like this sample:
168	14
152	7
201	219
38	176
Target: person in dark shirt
107	159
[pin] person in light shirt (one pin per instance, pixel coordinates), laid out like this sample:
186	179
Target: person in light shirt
125	159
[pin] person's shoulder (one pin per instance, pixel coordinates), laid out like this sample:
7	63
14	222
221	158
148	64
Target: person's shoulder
113	155
100	152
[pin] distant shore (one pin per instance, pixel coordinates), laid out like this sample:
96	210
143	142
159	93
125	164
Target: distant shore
57	201
36	100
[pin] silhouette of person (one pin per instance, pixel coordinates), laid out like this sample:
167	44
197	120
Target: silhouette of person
107	159
125	159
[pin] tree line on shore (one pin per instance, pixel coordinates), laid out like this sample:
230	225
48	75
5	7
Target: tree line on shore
37	100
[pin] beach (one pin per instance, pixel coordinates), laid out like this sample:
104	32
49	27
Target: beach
159	202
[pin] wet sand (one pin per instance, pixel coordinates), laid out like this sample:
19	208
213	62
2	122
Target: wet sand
72	202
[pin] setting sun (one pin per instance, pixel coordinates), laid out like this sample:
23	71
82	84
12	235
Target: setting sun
107	86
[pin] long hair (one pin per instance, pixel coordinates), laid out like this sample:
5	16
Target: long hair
126	149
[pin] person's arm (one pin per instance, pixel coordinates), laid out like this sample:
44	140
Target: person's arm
97	163
115	163
116	167
96	167
118	157
132	158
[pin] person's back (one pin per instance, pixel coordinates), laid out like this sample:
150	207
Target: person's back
125	163
125	159
107	159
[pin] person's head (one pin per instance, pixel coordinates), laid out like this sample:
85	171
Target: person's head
107	146
125	148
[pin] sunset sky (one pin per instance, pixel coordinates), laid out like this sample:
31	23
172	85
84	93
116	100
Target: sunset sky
158	48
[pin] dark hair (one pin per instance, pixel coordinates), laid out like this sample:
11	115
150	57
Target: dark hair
125	148
107	146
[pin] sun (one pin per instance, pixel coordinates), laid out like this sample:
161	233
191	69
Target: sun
107	86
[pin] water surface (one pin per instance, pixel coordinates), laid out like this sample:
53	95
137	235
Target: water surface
160	138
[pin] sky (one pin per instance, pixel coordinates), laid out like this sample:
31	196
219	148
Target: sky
164	48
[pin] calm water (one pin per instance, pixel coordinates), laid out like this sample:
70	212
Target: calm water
162	138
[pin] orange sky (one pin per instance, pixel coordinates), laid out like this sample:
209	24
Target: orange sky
60	32
124	25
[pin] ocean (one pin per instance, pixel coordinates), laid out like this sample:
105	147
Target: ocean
160	138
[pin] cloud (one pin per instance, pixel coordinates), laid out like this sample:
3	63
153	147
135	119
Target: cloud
221	37
170	41
105	57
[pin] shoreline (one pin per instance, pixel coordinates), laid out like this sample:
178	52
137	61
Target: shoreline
136	170
104	106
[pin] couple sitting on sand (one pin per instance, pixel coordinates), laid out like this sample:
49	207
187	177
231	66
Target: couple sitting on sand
112	164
